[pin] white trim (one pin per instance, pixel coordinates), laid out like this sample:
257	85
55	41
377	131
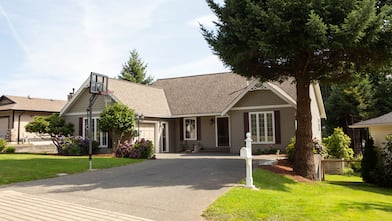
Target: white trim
265	127
262	107
95	119
280	93
319	100
184	127
216	130
195	115
81	113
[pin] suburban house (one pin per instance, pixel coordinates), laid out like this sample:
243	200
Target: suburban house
379	128
16	112
203	111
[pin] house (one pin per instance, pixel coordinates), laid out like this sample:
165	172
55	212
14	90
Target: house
379	128
204	111
16	112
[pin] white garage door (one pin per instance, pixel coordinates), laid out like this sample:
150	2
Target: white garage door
147	131
3	127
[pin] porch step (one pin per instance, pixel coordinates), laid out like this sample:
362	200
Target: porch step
216	150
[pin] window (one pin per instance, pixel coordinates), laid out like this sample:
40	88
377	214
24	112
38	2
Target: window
190	129
262	127
101	137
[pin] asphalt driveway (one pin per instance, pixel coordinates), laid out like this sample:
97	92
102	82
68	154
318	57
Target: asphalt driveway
173	187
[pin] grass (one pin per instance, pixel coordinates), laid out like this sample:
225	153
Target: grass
25	167
281	198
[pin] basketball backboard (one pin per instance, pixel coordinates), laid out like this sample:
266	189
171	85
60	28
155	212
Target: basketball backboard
98	83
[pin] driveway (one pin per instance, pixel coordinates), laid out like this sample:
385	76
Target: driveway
173	187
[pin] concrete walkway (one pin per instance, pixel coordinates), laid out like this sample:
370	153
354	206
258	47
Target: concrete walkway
173	187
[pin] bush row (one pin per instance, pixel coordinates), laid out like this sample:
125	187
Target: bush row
140	149
77	145
335	146
377	163
4	148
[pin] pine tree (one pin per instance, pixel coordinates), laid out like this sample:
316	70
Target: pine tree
309	40
135	70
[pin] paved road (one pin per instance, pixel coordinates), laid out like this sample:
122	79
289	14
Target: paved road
173	187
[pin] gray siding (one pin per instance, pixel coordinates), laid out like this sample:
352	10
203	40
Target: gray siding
81	104
258	98
287	126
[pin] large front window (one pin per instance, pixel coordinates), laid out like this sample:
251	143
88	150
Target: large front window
190	129
262	127
101	137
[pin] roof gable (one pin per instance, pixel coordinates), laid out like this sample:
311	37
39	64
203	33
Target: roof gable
8	102
149	101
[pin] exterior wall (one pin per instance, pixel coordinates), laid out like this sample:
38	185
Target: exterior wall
17	120
259	97
80	105
316	119
379	133
287	126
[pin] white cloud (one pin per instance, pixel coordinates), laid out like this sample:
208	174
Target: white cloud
205	20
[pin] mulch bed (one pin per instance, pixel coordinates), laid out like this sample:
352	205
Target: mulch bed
285	167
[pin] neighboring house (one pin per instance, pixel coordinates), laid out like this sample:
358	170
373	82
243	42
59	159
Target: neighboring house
205	111
16	112
379	128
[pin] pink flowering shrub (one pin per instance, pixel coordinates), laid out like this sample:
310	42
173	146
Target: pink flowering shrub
140	149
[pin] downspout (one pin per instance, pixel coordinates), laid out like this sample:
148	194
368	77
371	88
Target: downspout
19	126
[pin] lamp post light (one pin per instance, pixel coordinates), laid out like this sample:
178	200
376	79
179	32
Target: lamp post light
139	117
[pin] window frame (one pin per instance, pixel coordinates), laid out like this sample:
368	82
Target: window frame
258	134
102	135
184	128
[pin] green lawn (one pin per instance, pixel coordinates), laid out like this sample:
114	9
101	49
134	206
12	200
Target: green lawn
281	198
25	167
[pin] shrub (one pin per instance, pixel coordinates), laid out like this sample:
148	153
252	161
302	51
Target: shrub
3	144
73	146
338	145
369	162
145	148
140	149
9	149
356	166
385	164
123	150
290	149
317	148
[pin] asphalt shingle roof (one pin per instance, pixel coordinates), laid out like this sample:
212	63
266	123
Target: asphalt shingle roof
208	94
8	102
143	99
385	119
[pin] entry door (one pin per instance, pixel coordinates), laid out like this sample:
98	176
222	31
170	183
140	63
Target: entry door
164	137
223	131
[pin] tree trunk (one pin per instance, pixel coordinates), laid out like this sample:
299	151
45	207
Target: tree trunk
303	161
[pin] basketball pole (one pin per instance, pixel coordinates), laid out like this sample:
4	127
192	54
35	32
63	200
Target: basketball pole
92	100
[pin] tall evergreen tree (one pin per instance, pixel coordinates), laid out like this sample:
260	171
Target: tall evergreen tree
309	40
135	70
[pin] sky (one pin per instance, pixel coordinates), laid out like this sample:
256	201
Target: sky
48	47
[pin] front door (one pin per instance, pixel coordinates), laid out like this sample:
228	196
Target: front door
164	137
223	131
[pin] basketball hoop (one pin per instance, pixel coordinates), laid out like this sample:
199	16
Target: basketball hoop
98	83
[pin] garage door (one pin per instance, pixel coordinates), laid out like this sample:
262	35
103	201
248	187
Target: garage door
3	127
147	131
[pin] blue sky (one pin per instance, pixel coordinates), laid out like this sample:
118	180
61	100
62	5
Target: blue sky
48	47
